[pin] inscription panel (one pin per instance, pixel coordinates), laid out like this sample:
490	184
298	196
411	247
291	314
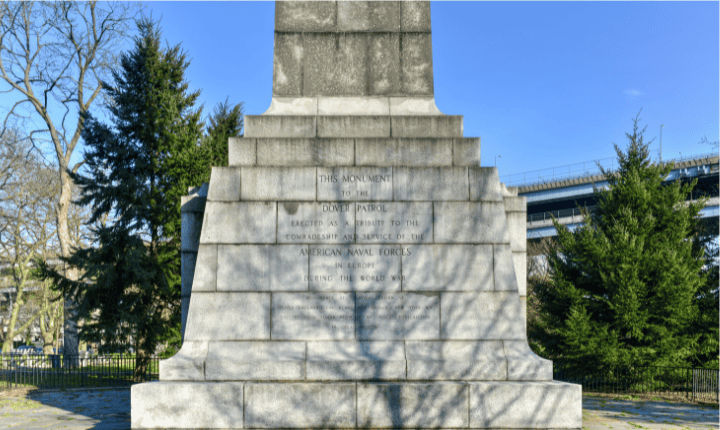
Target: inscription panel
355	183
355	267
324	222
397	316
313	316
394	222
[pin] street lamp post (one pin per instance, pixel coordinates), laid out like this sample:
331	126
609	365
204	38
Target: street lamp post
496	157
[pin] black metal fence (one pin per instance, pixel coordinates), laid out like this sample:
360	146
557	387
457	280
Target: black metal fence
66	371
696	384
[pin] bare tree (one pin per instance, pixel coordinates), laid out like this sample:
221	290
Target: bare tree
53	59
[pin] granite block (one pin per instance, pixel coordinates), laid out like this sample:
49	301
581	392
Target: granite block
280	126
466	152
253	360
368	16
504	269
448	268
243	268
289	268
187	271
315	16
515	203
214	316
184	308
517	227
404	152
383	64
525	405
278	183
354	268
355	183
305	152
481	316
288	64
485	184
224	184
456	360
192	203
188	364
313	316
338	64
412	405
345	106
524	365
162	404
353	126
394	222
476	222
304	405
330	222
241	222
416	60
520	263
242	151
422	105
352	360
430	183
391	316
415	16
190	228
297	105
205	269
427	126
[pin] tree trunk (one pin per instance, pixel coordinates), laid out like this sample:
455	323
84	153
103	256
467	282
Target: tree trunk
8	344
70	336
142	361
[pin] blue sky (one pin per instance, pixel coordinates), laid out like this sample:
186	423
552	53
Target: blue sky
543	84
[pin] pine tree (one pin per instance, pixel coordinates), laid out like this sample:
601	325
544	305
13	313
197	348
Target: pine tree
623	286
225	122
137	169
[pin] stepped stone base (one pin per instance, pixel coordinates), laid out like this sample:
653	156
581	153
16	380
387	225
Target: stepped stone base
457	405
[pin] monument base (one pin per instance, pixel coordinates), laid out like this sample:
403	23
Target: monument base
457	405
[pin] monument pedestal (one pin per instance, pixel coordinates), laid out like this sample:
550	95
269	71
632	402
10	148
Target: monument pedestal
356	267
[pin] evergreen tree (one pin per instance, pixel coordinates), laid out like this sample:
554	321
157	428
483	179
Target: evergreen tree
225	122
623	286
137	169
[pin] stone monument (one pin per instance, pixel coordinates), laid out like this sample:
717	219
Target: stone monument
356	267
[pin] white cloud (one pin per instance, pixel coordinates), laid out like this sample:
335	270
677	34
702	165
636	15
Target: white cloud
633	92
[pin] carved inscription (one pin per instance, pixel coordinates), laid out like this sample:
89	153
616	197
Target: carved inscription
397	316
332	222
394	222
355	267
352	183
313	316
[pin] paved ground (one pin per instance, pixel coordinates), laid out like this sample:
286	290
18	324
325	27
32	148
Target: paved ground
110	410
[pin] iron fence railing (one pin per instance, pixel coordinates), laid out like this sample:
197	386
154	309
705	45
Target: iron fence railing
562	213
66	371
696	384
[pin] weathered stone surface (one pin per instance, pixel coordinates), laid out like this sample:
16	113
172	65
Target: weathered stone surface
288	64
517	227
338	64
331	222
354	268
278	183
384	65
456	360
224	184
241	222
476	222
426	126
448	268
368	16
441	404
355	183
416	59
305	152
352	360
242	151
280	105
206	269
187	271
262	268
306	16
389	316
515	203
187	364
280	126
353	126
504	268
215	316
260	361
485	184
190	228
430	183
403	152
415	16
524	365
300	405
413	106
466	151
481	316
525	405
313	316
162	404
394	222
367	106
520	263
